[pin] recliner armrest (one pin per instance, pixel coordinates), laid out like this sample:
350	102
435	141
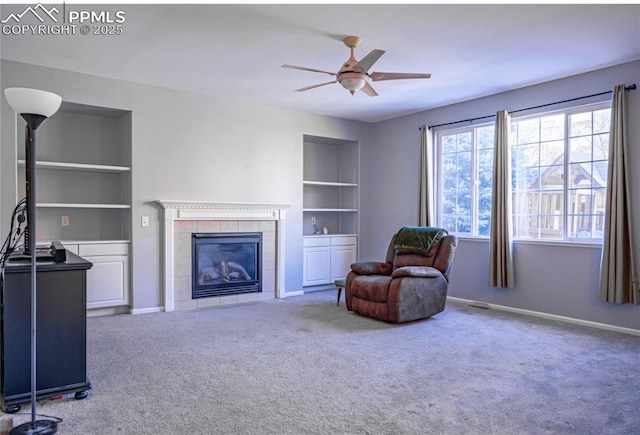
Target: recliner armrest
372	268
416	272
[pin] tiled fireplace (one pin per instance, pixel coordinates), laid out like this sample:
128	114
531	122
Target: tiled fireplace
183	219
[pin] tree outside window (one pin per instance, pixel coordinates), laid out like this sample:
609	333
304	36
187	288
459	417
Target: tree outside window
466	174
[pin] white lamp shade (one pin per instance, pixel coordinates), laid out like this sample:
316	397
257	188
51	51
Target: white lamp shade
33	101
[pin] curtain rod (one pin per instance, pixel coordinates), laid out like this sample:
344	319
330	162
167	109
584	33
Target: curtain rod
627	88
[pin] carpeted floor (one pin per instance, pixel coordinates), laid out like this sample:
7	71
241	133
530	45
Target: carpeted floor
305	366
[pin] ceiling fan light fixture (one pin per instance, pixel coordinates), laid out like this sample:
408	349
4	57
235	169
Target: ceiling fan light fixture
352	81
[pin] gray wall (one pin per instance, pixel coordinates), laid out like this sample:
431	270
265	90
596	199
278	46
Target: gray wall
191	147
186	147
556	279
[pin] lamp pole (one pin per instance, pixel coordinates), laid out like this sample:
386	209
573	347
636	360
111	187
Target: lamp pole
35	106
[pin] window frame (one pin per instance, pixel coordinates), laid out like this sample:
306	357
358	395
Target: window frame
439	187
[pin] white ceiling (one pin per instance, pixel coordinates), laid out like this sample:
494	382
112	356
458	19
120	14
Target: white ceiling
236	51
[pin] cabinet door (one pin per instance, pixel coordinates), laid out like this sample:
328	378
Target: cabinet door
61	331
317	265
107	281
341	259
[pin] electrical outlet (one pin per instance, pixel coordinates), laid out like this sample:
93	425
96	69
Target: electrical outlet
65	221
145	221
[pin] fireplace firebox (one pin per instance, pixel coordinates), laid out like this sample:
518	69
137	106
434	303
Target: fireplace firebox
226	264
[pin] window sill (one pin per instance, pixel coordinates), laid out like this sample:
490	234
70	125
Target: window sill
569	243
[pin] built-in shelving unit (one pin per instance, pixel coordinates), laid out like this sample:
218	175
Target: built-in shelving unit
330	185
83	166
83	174
331	198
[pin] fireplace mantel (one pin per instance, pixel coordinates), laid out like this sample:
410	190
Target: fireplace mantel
203	210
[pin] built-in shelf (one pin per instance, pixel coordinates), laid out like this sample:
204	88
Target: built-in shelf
90	242
323	236
80	205
77	166
330	189
329	183
338	210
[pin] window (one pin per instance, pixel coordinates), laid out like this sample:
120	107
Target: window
466	175
559	175
559	170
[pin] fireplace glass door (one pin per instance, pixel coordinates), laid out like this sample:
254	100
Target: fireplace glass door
226	264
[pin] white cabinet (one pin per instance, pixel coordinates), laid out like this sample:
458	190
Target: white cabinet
317	265
327	258
343	255
108	279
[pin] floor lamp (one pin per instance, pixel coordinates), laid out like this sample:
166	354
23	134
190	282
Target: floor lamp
35	106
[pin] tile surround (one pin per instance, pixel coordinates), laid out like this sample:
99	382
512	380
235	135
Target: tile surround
182	218
182	256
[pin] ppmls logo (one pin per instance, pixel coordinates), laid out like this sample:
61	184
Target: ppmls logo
38	11
46	19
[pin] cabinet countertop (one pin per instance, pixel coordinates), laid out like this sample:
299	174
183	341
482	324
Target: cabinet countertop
92	242
73	262
322	236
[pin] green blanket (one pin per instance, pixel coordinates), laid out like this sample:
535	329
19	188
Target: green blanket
418	238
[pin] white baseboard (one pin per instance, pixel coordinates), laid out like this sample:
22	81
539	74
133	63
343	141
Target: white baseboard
107	311
147	310
289	294
572	320
321	287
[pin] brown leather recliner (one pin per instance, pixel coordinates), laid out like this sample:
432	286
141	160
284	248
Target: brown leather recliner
411	284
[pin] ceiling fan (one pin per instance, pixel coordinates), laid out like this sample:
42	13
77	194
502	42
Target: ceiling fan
352	76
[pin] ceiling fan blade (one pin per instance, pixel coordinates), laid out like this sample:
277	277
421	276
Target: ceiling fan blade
315	86
367	62
304	68
377	76
368	89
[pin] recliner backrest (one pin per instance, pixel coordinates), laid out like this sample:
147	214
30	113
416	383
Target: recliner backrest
439	256
444	256
391	250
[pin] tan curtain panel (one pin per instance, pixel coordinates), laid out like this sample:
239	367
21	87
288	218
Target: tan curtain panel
426	218
618	276
501	272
